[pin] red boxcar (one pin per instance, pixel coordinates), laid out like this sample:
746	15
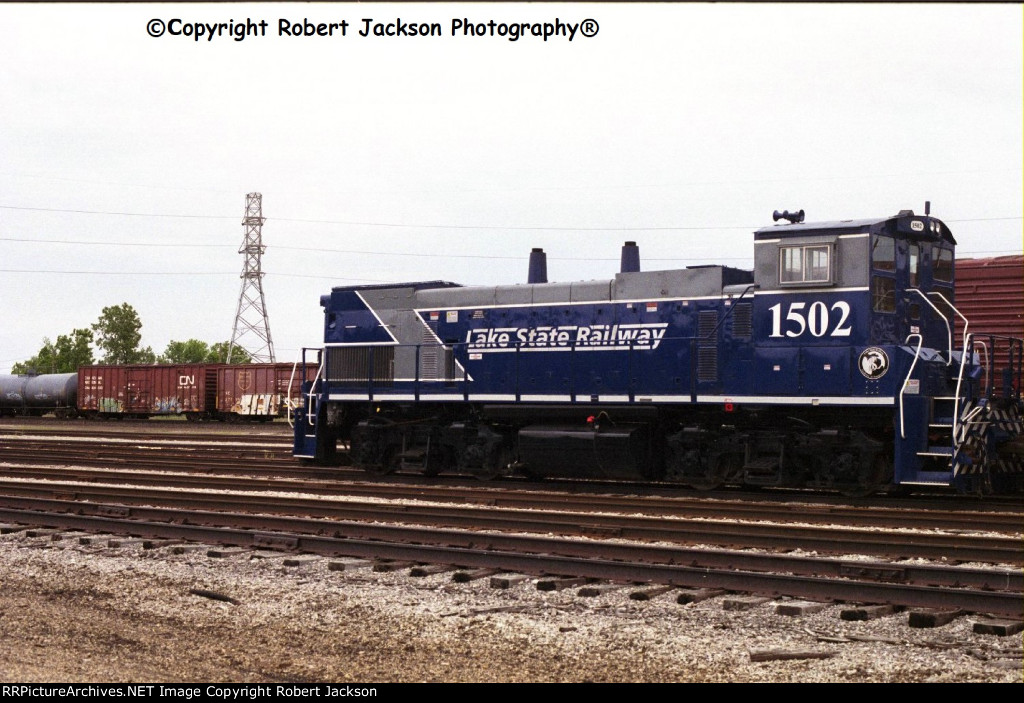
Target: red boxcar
141	391
990	294
256	391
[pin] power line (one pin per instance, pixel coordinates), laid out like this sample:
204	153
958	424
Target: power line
425	255
532	188
121	273
109	244
110	212
357	223
192	273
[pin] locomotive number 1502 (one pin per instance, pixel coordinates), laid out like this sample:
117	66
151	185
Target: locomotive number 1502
816	320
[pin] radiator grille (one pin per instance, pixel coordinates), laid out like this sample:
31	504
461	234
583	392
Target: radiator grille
742	321
707	345
352	364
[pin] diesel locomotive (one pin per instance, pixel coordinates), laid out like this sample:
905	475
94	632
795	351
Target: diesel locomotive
839	362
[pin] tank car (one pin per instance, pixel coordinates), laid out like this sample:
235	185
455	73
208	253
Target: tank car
56	393
831	364
39	394
12	394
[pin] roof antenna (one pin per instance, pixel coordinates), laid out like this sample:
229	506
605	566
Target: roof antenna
927	207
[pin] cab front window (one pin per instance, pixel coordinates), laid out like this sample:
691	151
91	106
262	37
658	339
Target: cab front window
915	257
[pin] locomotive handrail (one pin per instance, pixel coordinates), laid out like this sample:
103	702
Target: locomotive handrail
960	314
1015	353
310	415
951	307
949	330
288	403
917	354
728	312
986	364
968	345
301	357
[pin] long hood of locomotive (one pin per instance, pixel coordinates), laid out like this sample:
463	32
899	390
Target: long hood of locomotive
722	342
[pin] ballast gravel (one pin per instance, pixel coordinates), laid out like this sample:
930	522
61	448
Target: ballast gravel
88	613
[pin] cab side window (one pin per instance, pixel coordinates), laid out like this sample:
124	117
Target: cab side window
805	264
883	254
883	286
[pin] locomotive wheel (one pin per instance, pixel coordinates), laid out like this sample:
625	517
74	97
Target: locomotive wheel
726	466
388	463
496	465
433	463
869	480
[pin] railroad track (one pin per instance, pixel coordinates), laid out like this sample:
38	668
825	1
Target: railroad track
182	431
210	447
996	592
569	517
836	540
977	517
232	514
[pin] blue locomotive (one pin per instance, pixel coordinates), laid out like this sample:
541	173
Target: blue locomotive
839	362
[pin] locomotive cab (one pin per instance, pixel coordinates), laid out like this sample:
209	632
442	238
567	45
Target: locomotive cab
863	281
863	310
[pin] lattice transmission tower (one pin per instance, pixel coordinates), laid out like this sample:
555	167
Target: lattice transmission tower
252	328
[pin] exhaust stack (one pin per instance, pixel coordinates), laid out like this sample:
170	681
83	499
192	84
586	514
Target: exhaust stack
630	258
538	267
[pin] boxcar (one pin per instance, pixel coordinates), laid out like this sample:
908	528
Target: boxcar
145	390
255	391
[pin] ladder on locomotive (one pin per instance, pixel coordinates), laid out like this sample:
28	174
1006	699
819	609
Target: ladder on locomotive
957	418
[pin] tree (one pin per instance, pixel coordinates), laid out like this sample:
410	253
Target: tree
65	356
219	354
194	351
118	334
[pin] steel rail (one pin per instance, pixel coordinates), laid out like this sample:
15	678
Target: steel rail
550	556
831	540
487	494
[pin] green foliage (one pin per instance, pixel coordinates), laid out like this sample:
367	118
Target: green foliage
194	351
191	351
118	333
238	355
65	356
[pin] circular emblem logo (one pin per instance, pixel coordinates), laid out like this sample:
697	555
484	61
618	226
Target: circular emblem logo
873	363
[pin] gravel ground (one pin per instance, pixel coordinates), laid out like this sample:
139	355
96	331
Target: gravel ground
74	613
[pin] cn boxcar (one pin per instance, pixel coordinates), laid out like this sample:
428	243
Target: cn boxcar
145	390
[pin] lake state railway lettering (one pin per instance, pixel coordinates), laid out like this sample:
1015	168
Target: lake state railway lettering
644	336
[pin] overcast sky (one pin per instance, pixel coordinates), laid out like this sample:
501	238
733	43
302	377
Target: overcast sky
125	158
